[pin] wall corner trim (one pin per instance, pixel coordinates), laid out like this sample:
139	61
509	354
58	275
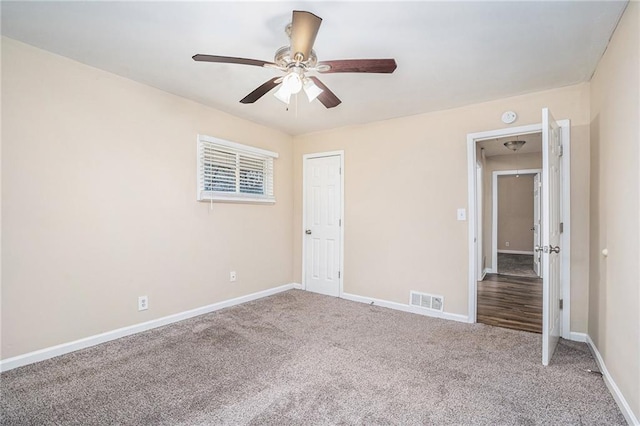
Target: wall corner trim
65	348
611	385
405	308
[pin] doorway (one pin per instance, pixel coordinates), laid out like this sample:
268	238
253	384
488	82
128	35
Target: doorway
555	224
516	215
509	293
323	233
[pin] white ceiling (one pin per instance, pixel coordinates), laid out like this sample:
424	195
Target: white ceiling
448	53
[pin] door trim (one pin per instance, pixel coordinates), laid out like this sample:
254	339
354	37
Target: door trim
481	267
494	210
306	157
472	139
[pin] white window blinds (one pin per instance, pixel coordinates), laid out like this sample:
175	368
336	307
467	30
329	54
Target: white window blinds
228	171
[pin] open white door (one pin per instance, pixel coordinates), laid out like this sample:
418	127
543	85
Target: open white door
322	221
551	193
536	223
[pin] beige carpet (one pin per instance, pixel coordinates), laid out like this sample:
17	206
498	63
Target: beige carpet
302	358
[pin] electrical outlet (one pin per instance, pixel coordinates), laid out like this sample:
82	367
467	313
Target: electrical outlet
143	303
506	244
232	276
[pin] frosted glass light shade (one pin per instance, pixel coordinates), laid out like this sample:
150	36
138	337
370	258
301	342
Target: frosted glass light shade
312	90
293	83
283	94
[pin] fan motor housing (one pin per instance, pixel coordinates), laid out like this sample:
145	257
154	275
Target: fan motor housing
283	58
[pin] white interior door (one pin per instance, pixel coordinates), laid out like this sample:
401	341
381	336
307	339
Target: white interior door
551	192
536	223
322	213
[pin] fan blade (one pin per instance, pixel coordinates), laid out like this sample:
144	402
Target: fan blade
327	97
231	60
261	91
304	29
384	66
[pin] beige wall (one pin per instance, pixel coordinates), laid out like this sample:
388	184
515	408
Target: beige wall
499	163
614	292
85	164
98	198
404	180
515	213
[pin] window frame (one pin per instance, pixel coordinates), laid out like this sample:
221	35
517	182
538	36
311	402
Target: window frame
238	150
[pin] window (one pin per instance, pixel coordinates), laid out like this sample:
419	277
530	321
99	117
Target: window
229	171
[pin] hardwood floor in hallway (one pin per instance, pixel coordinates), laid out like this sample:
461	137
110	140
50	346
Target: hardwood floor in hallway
511	302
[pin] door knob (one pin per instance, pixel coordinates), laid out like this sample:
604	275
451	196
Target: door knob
537	248
555	249
308	232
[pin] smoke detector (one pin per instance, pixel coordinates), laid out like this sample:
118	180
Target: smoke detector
509	117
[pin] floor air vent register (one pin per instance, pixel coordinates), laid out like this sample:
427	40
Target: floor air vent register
426	301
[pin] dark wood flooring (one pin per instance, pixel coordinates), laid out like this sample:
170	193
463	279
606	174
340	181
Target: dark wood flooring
511	302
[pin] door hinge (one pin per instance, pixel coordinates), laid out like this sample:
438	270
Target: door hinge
561	303
561	227
561	151
338	274
339	170
339	222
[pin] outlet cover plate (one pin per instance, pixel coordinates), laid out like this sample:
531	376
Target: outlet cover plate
143	303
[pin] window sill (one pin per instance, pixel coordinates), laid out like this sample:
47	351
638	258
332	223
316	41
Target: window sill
236	199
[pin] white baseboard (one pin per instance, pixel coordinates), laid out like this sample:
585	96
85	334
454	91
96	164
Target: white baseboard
297	286
53	351
405	308
613	388
489	271
577	337
515	252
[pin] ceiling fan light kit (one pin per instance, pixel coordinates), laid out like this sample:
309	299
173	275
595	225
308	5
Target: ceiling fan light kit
292	84
302	32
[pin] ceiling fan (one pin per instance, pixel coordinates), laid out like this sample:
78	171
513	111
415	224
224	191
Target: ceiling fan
299	58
